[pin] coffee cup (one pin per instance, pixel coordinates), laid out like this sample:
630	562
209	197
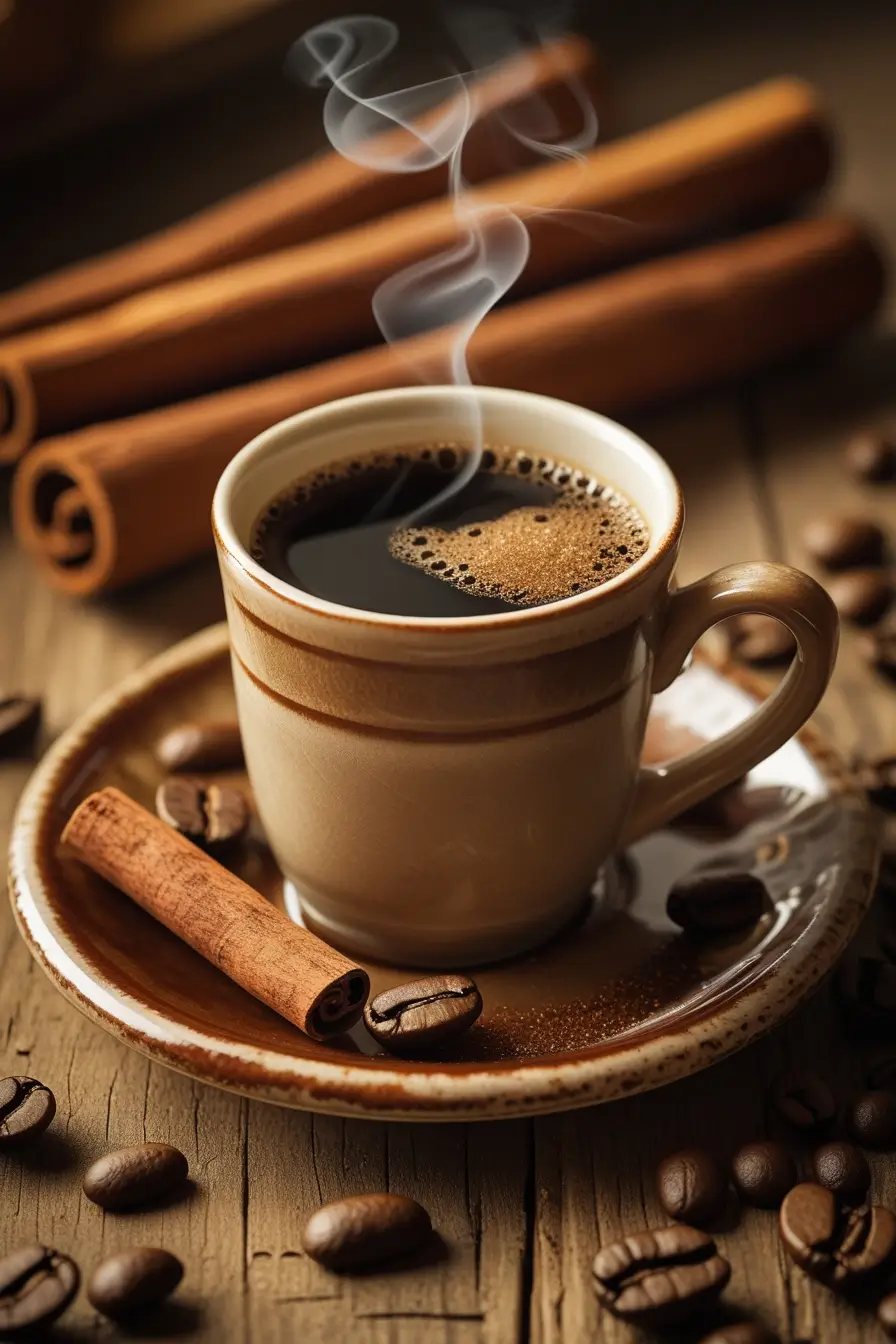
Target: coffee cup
442	792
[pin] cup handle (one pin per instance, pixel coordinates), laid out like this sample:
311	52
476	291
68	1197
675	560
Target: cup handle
772	590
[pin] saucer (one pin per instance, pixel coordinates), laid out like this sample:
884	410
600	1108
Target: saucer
619	1003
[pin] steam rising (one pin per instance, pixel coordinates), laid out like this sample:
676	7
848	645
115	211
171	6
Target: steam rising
429	123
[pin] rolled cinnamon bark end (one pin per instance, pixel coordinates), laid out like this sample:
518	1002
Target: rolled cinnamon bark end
18	409
67	520
227	922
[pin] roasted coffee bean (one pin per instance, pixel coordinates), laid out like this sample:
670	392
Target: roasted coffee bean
878	648
423	1015
763	1172
741	1332
861	595
871	1119
804	1100
838	1246
211	816
201	746
36	1285
26	1109
692	1186
19	724
365	1229
882	1073
866	987
136	1175
843	1169
886	1316
133	1280
760	640
844	543
656	1279
878	778
872	456
707	903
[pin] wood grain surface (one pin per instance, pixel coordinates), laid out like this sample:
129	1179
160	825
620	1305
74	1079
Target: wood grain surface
521	1207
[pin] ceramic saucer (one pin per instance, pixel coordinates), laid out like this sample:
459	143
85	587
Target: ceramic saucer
620	1003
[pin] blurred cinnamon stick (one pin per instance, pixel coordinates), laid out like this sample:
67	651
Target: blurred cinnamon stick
123	500
317	197
752	150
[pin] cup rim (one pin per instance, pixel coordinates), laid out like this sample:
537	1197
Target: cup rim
659	548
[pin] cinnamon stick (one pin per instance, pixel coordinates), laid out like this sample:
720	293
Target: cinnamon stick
658	329
317	197
227	922
740	153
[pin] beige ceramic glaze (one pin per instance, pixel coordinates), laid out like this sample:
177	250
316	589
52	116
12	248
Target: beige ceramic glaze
443	792
618	1003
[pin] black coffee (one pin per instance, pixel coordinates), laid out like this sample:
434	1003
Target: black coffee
402	533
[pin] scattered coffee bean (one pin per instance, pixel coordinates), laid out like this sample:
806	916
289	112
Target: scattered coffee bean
716	903
886	1316
838	1246
872	456
878	648
133	1280
207	814
843	1169
26	1109
866	987
741	1332
656	1279
424	1014
692	1186
882	1073
878	779
760	640
36	1285
136	1175
20	718
861	595
844	543
201	746
871	1119
763	1172
365	1229
804	1100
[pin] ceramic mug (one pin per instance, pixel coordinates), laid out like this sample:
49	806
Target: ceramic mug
441	793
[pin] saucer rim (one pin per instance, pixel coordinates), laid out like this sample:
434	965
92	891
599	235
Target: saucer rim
423	1090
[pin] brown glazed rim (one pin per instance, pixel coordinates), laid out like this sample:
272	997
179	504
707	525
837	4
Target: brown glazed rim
397	1089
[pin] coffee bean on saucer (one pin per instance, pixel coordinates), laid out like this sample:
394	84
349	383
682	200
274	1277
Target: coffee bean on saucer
871	1119
133	1280
843	1169
26	1109
861	595
705	904
20	717
423	1015
886	1315
838	1246
136	1175
692	1186
201	746
840	542
212	816
804	1100
763	1172
871	456
364	1230
759	640
36	1285
866	987
741	1332
878	778
656	1279
878	647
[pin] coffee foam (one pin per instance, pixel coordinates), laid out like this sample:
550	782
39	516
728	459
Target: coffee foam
584	536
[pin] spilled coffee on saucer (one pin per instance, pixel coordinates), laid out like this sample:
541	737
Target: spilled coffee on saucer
405	533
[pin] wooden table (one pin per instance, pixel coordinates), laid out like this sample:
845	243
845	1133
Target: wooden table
523	1205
